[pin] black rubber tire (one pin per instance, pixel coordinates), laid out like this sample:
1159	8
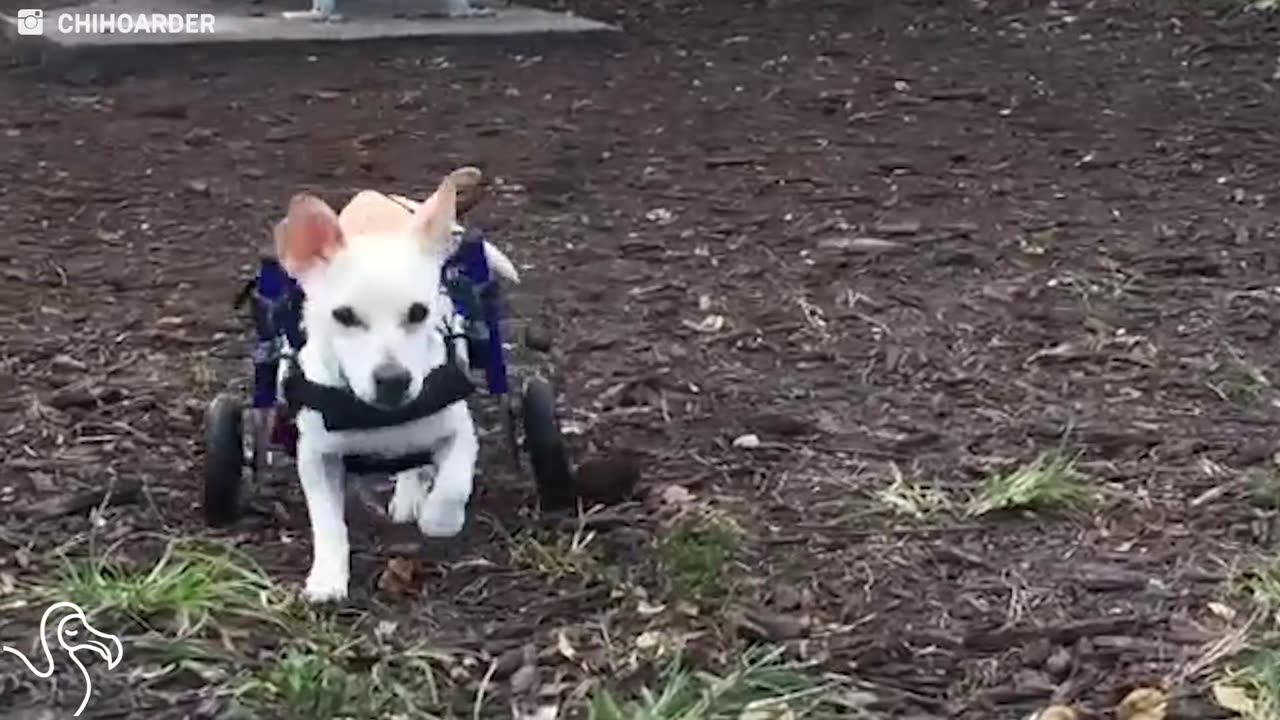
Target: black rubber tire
548	452
223	460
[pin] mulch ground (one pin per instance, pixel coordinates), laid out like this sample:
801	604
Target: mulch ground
1078	199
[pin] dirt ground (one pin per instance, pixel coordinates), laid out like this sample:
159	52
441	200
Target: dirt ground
1077	203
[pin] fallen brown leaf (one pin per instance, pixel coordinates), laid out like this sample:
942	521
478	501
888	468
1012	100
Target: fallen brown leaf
400	577
1055	712
1143	704
1233	698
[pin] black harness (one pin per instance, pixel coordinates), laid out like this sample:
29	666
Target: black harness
340	410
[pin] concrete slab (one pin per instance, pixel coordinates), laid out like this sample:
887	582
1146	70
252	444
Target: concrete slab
196	23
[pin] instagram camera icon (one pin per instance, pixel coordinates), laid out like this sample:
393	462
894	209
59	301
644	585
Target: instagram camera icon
31	22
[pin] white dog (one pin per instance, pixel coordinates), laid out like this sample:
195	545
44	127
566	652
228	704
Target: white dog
372	315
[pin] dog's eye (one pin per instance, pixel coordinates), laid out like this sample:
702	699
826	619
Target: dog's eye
346	317
417	313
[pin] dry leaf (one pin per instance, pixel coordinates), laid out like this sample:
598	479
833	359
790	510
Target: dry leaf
1143	704
542	712
708	324
1055	712
865	244
647	609
385	629
1223	611
564	646
676	495
524	679
1235	699
648	640
661	216
400	577
767	710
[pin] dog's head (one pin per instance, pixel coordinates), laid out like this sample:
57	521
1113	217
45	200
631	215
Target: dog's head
372	290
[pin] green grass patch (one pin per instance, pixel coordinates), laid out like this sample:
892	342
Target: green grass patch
556	556
1262	488
1251	686
760	686
336	675
189	588
1259	676
904	497
1238	381
305	685
696	555
1051	480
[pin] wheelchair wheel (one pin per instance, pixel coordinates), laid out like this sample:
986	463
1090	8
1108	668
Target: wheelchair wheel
548	452
224	460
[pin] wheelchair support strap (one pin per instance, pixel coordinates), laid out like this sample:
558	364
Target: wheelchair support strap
342	410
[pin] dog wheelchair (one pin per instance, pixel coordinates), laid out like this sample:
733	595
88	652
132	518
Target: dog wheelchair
243	439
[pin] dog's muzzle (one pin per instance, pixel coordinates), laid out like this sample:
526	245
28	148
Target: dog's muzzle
391	385
342	410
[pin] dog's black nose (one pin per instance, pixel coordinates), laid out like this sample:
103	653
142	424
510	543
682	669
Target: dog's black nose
391	384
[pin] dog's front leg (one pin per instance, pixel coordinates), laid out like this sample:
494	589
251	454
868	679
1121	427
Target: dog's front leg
444	509
411	488
322	477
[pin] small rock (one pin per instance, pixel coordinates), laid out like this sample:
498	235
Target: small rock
200	137
283	134
747	442
508	662
858	244
1059	664
786	597
199	187
904	227
524	679
537	337
73	397
770	626
1252	453
409	99
1033	681
1084	648
66	363
1037	653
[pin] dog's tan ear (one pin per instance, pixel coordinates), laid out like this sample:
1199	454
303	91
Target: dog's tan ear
308	236
434	219
470	184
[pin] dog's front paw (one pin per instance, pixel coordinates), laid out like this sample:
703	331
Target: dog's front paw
442	518
408	496
326	585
